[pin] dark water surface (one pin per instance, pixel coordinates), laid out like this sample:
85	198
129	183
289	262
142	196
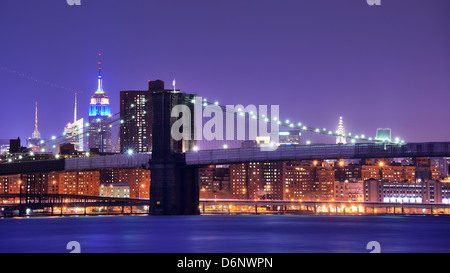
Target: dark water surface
227	233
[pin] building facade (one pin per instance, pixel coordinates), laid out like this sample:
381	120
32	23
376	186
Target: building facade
429	191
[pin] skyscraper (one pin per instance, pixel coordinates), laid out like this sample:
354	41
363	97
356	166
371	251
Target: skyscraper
135	133
74	131
136	113
340	139
99	118
35	141
383	134
290	137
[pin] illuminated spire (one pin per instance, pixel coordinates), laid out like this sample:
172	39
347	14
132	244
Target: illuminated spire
340	139
75	111
36	133
100	80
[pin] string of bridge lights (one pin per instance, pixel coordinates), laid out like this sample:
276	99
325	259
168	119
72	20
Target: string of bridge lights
297	125
55	140
36	80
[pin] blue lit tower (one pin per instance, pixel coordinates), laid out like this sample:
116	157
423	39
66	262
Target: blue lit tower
99	118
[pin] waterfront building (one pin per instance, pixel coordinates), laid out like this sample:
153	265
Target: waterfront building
429	191
138	180
323	182
298	180
351	190
214	181
116	190
10	184
257	180
346	172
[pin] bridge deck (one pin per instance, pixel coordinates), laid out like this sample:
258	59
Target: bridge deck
229	156
311	152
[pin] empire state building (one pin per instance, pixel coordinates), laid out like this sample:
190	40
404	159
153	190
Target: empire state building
100	118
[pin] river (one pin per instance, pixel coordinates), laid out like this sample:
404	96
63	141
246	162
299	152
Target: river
227	234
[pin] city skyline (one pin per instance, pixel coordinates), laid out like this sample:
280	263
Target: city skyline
270	59
249	127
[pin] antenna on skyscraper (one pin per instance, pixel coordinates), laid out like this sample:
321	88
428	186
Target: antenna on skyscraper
99	64
75	111
36	133
100	82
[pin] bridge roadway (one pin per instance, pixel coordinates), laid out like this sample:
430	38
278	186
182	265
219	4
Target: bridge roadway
311	152
229	156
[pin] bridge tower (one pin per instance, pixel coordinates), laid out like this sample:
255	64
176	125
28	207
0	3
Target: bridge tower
174	189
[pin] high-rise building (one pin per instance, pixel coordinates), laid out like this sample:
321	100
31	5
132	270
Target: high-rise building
323	182
298	181
383	134
291	137
100	118
136	112
74	131
4	146
340	139
256	180
35	141
135	133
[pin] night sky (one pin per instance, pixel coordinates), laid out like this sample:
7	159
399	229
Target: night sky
377	66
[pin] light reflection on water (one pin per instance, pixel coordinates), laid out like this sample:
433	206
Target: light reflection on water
227	233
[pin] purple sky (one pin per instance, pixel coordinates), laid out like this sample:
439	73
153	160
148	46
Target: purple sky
378	66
